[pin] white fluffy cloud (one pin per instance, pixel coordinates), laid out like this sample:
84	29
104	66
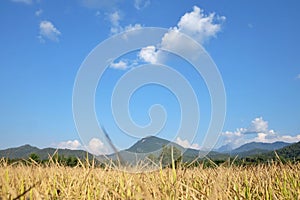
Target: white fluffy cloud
149	54
23	1
186	143
258	125
97	147
199	26
140	4
195	24
258	131
48	31
75	144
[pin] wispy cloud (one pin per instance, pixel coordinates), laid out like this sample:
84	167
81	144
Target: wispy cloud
141	4
298	76
48	31
124	64
38	12
115	19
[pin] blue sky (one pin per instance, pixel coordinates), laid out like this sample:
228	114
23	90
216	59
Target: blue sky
255	45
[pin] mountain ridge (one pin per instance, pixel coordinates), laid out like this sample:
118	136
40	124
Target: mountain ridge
154	145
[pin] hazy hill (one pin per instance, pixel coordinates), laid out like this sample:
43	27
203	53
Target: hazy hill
260	145
252	148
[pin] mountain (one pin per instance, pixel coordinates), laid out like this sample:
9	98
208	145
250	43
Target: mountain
150	144
153	146
252	148
225	148
291	152
142	149
24	151
260	145
18	152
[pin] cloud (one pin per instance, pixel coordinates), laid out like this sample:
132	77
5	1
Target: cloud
119	65
141	4
38	12
195	24
134	27
75	144
98	13
124	64
298	77
200	26
115	19
23	1
258	131
149	54
258	125
97	147
48	31
186	144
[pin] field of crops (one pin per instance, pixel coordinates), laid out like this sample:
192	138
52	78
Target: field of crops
18	181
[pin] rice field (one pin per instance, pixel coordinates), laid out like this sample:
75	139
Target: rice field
33	181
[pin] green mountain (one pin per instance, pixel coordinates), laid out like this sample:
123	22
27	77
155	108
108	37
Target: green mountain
24	151
291	152
18	152
151	144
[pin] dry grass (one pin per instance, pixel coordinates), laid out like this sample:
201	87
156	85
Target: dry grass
59	182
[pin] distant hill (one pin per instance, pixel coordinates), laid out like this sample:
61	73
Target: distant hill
252	148
224	149
24	151
260	145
